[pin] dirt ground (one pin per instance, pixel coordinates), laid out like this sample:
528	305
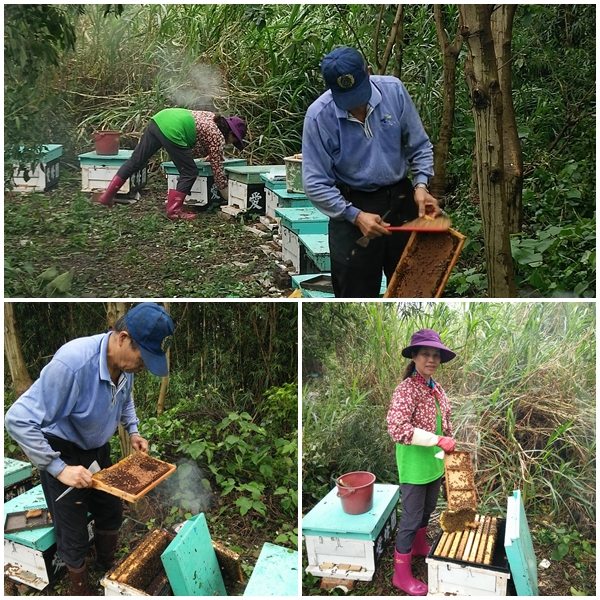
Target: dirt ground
134	250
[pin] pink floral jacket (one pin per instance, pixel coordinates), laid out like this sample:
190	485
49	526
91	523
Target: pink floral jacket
210	143
413	405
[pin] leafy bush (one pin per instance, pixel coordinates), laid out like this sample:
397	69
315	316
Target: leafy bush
246	461
559	261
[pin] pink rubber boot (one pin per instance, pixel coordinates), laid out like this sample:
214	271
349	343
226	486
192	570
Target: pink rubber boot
108	197
174	206
403	578
420	547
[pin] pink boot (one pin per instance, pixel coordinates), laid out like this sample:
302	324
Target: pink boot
108	197
174	206
420	547
403	578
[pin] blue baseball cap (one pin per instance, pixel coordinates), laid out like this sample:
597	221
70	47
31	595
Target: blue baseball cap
345	73
152	328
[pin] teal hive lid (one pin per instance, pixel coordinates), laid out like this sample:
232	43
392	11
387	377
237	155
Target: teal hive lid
305	219
204	168
50	152
328	519
317	248
283	194
275	178
275	573
102	160
15	471
191	563
519	547
38	539
248	174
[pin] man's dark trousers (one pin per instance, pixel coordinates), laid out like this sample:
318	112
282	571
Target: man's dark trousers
356	272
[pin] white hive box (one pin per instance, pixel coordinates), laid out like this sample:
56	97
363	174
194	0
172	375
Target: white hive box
346	546
45	175
97	171
204	191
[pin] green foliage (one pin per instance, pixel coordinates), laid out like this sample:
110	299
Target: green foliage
559	260
567	542
279	409
248	462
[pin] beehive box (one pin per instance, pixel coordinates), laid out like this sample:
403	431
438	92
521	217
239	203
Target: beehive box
293	173
141	572
204	191
287	199
305	284
275	178
45	175
346	546
97	171
314	253
30	556
246	189
132	477
447	576
296	221
17	478
271	203
425	265
322	287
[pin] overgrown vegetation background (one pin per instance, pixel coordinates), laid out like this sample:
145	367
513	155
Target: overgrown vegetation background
523	395
230	418
89	69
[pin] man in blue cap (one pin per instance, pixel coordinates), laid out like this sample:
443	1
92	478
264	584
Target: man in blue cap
65	420
361	139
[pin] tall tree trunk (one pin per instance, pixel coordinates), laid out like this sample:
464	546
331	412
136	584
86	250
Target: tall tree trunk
486	98
450	52
502	28
114	312
13	352
164	384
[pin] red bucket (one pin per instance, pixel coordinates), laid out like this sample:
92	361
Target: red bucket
356	492
107	142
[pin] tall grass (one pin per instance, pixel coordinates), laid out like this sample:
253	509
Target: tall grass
522	390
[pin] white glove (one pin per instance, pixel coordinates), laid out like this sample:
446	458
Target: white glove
424	438
225	193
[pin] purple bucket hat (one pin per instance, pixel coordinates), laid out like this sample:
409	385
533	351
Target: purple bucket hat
431	338
238	128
